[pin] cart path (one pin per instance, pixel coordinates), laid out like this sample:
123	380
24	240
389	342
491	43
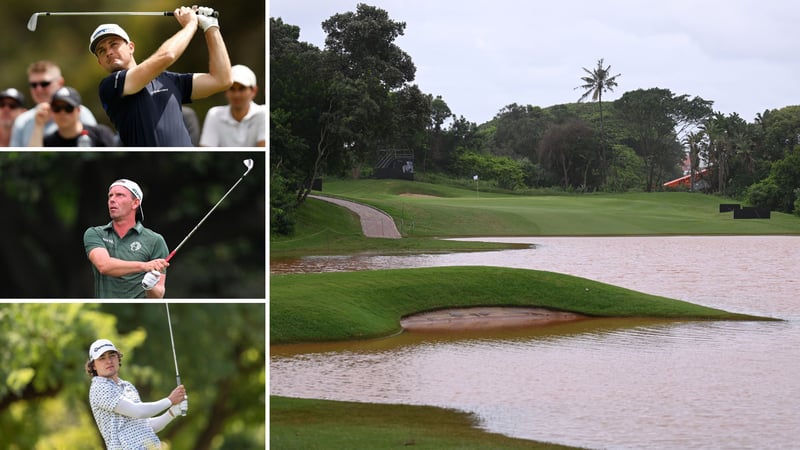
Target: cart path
374	222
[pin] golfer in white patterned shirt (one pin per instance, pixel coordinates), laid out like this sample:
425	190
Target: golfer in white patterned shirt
125	422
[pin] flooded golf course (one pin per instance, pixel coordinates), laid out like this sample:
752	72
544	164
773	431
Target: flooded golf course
595	383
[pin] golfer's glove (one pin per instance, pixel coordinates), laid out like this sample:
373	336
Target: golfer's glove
205	18
150	279
175	410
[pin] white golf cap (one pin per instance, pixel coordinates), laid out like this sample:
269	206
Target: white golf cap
105	30
135	190
129	185
99	347
243	75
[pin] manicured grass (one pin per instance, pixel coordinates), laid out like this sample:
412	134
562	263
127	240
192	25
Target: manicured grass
319	424
423	211
357	305
459	212
327	229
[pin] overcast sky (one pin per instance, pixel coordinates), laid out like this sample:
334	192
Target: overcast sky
481	55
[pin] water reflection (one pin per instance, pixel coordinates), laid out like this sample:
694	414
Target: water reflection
600	383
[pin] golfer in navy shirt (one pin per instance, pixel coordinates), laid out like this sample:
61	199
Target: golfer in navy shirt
144	100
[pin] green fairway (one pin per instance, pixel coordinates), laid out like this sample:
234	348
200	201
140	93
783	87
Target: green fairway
423	211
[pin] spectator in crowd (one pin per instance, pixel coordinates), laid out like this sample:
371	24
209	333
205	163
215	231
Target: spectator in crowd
242	122
64	110
44	78
12	104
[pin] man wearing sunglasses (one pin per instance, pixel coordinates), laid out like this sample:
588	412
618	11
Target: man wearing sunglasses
64	110
44	79
12	104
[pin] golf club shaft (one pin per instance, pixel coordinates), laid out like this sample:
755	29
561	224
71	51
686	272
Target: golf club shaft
172	341
184	403
113	13
34	20
172	253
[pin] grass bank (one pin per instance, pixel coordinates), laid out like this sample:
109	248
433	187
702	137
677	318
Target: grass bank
338	306
320	424
327	229
423	211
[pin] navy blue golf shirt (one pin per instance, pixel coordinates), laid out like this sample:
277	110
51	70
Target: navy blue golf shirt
151	117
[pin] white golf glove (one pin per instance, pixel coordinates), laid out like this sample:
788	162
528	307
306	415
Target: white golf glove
205	18
175	410
150	279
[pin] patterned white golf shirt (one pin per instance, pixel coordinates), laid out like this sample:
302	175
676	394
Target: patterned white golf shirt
120	432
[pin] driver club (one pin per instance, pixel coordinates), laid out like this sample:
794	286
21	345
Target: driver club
34	20
249	164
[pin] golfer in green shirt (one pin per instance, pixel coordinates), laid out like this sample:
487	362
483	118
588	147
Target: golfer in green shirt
127	258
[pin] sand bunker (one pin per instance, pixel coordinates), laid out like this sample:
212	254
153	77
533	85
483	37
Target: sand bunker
408	194
482	318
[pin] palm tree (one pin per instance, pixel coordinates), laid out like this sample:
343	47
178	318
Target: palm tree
597	82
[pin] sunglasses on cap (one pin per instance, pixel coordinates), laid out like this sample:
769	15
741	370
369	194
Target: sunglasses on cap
58	107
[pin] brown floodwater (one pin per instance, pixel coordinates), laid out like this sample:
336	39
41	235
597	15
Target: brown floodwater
596	383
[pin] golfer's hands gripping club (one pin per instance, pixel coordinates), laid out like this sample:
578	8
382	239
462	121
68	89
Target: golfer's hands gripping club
151	279
205	17
179	397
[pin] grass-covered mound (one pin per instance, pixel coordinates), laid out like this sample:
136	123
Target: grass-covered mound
355	305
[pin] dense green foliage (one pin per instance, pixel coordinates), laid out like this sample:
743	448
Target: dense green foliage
360	98
365	304
303	424
49	199
65	41
44	386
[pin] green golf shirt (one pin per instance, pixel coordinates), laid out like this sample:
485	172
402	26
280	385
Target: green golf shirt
139	244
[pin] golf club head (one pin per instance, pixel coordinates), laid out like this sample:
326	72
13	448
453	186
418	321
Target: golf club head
33	21
249	164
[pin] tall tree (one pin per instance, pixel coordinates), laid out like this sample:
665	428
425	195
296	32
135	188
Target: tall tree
598	81
650	120
440	113
569	151
369	68
518	131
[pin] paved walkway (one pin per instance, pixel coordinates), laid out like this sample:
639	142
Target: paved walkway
374	222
